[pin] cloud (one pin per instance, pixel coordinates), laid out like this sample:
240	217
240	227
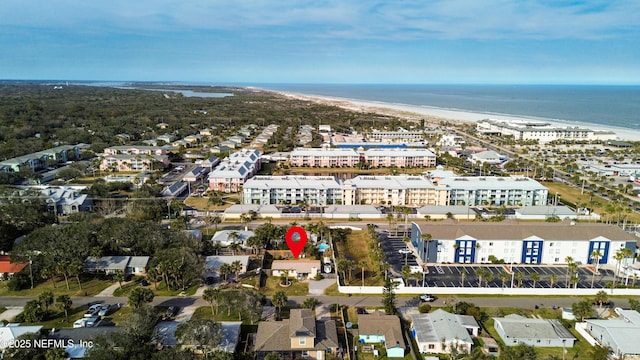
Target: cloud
392	20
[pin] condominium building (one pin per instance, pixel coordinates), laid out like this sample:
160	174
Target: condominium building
324	157
401	190
42	159
375	157
413	135
399	158
133	158
527	243
231	173
541	131
315	190
495	191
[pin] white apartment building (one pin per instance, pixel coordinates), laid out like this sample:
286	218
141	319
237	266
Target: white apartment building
324	157
231	174
495	191
312	190
541	131
525	243
400	190
399	158
412	135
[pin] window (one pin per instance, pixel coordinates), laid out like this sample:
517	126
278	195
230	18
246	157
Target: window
490	244
550	244
305	354
302	341
431	346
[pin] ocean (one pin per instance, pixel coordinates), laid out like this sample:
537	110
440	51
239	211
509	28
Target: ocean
615	106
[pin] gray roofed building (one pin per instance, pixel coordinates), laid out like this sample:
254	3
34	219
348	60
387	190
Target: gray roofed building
10	332
213	263
544	212
430	329
111	264
175	189
515	329
78	338
620	334
230	331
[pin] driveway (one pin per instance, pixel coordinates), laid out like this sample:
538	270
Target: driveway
10	313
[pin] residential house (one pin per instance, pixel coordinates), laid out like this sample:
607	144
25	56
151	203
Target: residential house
525	243
77	339
193	139
65	200
228	237
8	268
167	138
134	265
213	263
175	189
440	332
230	336
10	332
211	162
487	157
620	334
300	336
516	329
299	268
380	328
195	174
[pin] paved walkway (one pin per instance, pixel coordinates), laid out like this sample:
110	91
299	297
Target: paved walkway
108	292
10	313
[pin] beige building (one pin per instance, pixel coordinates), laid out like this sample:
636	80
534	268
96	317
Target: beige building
400	190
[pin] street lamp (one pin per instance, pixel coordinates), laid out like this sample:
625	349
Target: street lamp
31	270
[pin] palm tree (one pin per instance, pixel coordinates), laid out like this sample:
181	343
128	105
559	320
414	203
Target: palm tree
463	275
595	257
211	295
362	265
519	277
619	256
573	267
553	278
504	277
284	277
390	219
224	270
569	261
481	273
535	277
235	246
427	238
236	266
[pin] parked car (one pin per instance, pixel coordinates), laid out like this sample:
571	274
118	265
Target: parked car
104	310
405	251
361	310
92	321
427	298
80	323
171	312
144	282
93	310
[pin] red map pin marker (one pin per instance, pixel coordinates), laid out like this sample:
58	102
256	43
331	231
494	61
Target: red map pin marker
296	245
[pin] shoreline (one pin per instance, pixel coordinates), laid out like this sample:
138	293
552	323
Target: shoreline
428	113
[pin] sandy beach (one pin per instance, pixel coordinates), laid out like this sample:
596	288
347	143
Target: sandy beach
412	112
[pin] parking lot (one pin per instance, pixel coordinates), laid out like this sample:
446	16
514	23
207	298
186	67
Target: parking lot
392	247
451	276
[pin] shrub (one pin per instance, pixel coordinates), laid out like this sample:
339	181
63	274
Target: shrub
424	308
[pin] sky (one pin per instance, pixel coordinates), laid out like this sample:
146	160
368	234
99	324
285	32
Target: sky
323	41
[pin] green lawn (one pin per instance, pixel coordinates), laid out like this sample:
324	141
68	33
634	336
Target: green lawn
161	290
297	288
91	285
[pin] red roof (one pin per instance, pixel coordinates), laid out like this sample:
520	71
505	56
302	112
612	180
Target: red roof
6	266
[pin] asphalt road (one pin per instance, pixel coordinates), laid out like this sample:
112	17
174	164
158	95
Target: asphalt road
483	301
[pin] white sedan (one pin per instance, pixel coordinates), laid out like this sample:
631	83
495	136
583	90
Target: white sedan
405	251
